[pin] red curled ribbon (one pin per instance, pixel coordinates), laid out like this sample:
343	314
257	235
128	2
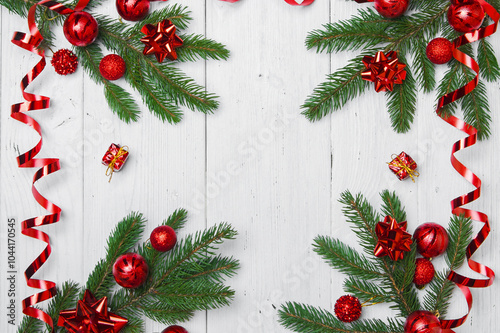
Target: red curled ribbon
463	282
290	2
47	166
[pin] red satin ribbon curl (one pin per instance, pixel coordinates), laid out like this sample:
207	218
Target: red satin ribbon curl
462	281
290	2
30	42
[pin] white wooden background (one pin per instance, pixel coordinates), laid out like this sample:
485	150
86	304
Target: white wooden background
256	163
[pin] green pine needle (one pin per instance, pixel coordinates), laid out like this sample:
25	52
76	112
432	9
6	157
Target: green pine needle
487	61
392	206
197	47
177	220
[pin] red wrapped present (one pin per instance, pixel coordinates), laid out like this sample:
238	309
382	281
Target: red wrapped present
403	166
114	159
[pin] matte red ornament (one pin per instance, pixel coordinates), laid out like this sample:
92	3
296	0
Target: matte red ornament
112	67
174	329
163	238
424	272
132	10
384	70
80	28
393	240
422	322
348	308
439	51
64	62
91	315
431	239
391	8
466	16
130	270
161	40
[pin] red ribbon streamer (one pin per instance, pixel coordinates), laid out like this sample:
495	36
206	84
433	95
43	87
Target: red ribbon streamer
47	166
290	2
461	281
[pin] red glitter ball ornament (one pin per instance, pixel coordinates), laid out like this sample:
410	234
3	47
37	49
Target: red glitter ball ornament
112	67
64	62
391	8
431	239
348	308
424	272
80	28
422	322
132	10
174	329
163	238
439	51
466	16
130	270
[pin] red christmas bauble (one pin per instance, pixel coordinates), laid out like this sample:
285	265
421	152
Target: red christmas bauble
80	28
391	8
466	16
132	10
163	238
422	322
130	270
64	62
439	50
424	272
431	239
174	329
348	308
112	67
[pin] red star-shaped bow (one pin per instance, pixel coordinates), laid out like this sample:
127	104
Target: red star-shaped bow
161	40
91	316
384	70
393	239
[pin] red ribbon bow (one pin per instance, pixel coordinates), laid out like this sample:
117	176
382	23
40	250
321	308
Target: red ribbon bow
393	240
384	70
161	40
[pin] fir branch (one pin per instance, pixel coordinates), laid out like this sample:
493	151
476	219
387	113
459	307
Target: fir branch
66	298
402	102
119	100
177	220
30	325
366	291
438	295
346	259
487	61
424	68
134	325
392	206
122	239
476	107
198	47
365	30
213	269
166	315
179	15
307	319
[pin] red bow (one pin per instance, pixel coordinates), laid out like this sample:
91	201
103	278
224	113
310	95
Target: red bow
393	239
161	40
384	70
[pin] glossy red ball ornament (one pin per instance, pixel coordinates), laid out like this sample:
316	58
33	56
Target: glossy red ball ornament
174	329
80	28
431	239
163	238
348	308
130	270
424	272
439	51
422	322
64	62
112	67
466	16
391	8
132	10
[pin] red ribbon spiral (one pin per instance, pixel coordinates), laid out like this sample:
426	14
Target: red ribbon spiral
461	281
47	166
290	2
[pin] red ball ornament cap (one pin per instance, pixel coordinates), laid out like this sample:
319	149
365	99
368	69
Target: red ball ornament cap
431	239
422	322
393	240
174	329
130	270
439	50
91	315
384	70
163	238
348	308
64	62
161	40
80	28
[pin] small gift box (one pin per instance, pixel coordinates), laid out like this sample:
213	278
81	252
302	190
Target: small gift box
403	166
114	159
